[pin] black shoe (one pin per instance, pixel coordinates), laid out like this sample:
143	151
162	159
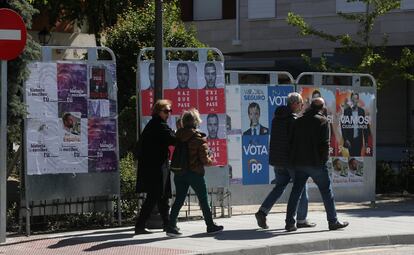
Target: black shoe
290	227
338	225
212	229
164	229
306	224
261	219
173	232
141	231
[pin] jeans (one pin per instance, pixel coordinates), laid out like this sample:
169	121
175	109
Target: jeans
321	178
182	184
283	177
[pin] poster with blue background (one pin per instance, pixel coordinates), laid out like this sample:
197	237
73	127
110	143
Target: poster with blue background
255	159
277	96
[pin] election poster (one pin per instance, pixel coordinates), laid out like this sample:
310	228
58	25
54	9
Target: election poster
41	90
255	159
98	82
254	107
255	136
355	110
182	86
146	85
309	93
57	145
277	96
102	144
214	126
347	171
210	84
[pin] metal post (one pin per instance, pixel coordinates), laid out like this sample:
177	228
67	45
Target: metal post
3	152
158	50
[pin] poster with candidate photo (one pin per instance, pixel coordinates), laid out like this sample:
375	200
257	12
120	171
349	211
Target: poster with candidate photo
255	159
356	170
99	78
182	86
214	126
355	111
41	90
210	75
74	104
277	96
340	176
309	93
102	145
182	75
147	75
254	110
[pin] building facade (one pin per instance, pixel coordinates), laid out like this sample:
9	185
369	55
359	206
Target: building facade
254	35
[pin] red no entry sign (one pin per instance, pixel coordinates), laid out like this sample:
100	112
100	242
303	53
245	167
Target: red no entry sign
12	34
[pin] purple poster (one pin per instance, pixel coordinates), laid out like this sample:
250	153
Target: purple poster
102	145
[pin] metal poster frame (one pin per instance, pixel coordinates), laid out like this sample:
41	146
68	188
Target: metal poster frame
39	187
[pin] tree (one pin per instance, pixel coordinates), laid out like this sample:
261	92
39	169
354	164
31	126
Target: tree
132	32
17	73
371	57
98	14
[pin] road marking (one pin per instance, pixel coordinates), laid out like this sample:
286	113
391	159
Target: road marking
10	34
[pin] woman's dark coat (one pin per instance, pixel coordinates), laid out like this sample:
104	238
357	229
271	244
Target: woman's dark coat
152	154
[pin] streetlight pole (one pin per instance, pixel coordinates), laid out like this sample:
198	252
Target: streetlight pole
158	50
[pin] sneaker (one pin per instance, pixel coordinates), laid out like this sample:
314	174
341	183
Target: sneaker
173	232
141	231
212	229
306	224
261	219
290	227
337	225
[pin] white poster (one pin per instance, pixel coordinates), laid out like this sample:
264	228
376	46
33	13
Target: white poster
41	90
233	105
234	145
182	75
57	146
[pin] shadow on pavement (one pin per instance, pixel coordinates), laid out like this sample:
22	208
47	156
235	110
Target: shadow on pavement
109	245
34	239
88	239
251	234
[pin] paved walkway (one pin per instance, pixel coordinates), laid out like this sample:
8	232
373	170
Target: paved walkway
392	222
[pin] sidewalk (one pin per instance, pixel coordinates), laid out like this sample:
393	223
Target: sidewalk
392	222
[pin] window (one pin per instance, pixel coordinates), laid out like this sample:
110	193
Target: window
259	9
350	7
407	4
207	10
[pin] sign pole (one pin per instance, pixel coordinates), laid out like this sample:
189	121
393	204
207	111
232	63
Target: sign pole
3	151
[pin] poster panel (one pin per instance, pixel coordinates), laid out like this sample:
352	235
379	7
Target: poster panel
234	144
277	96
210	75
355	110
41	90
214	126
102	145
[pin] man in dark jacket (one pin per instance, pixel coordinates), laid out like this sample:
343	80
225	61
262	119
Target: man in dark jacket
153	176
278	158
308	155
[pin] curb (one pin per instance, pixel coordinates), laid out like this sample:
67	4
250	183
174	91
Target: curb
321	245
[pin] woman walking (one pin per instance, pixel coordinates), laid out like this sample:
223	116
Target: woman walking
198	157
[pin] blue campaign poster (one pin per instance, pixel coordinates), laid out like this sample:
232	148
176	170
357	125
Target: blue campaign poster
255	159
277	96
